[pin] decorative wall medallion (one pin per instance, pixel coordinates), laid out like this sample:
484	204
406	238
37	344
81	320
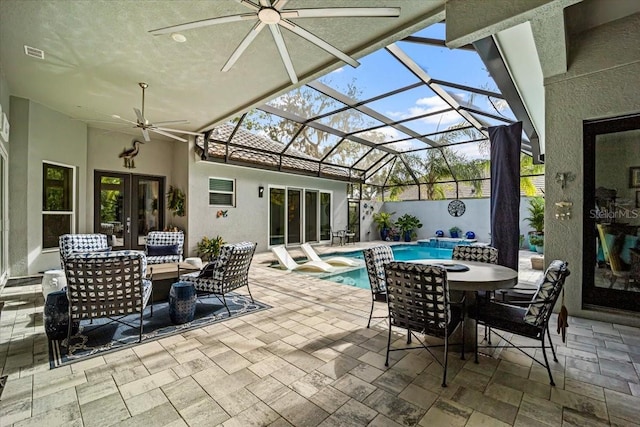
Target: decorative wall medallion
456	208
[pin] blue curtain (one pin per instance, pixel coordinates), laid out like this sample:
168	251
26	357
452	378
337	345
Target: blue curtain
505	192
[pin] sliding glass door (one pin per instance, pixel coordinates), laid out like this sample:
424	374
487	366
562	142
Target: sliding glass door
298	215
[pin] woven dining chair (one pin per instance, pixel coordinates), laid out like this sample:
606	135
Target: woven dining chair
419	301
529	319
375	258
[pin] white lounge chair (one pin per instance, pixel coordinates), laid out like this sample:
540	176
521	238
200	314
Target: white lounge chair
337	260
286	261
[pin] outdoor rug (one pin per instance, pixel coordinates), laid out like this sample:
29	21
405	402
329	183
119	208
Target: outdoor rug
91	341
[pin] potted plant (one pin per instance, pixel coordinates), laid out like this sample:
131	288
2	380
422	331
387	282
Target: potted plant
209	249
407	224
394	234
384	223
455	231
537	240
176	201
535	218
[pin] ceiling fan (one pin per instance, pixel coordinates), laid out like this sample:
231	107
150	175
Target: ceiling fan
273	15
145	126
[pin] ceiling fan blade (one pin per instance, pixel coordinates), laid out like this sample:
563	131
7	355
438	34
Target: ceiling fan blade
115	116
187	132
171	122
279	4
140	117
335	12
161	132
249	4
284	53
145	134
243	45
203	23
265	3
318	42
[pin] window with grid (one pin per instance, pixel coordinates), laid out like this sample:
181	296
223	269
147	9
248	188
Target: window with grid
222	192
58	215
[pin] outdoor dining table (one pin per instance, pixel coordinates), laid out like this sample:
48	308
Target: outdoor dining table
481	276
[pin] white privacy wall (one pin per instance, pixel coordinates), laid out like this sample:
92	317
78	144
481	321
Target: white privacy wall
434	216
249	219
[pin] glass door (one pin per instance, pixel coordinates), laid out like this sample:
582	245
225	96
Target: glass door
325	216
294	216
276	216
310	216
127	207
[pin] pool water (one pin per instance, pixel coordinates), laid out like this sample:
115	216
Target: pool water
358	277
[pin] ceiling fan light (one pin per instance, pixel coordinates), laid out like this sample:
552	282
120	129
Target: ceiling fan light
268	15
177	37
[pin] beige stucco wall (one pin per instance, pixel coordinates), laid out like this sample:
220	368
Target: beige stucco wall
38	134
4	217
603	80
248	220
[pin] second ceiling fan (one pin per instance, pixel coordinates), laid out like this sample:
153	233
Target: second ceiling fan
146	127
273	15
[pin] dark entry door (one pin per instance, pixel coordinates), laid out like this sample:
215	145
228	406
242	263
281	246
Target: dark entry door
127	207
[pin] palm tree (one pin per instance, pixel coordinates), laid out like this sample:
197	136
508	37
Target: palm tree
527	168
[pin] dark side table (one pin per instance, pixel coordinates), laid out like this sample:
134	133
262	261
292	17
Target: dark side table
182	302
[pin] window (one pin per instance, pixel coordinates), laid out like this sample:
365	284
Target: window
57	203
222	192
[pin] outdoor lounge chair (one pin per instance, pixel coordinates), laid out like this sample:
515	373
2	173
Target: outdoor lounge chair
164	246
81	243
375	258
612	257
286	261
419	302
109	284
528	319
336	260
229	271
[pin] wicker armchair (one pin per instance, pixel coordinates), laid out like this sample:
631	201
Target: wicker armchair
164	246
108	285
528	319
81	243
419	302
229	271
375	258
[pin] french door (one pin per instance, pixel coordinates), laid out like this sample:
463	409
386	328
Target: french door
127	207
298	215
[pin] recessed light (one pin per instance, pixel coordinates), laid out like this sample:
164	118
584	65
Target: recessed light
177	37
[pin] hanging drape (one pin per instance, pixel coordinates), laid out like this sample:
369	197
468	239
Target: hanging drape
505	192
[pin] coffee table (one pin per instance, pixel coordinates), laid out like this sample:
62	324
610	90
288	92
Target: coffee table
163	275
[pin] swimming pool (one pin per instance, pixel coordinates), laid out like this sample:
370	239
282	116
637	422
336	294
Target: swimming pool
358	277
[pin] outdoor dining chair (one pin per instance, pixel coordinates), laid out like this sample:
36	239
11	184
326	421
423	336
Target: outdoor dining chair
529	319
110	284
375	258
419	302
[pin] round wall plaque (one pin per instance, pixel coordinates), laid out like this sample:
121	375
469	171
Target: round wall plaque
456	208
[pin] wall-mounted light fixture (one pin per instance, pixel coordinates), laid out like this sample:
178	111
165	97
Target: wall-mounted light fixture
260	191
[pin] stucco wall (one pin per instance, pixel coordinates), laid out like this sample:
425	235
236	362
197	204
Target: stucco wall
603	81
248	220
40	134
154	158
434	216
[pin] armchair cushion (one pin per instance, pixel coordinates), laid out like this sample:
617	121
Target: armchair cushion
207	270
162	250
